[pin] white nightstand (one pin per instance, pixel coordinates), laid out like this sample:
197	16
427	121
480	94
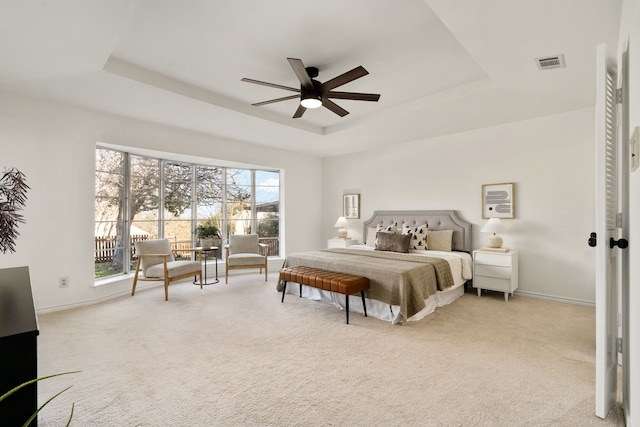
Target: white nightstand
495	271
341	243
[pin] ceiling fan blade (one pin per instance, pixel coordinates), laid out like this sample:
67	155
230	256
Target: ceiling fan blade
301	73
327	103
353	95
286	98
258	82
299	112
347	77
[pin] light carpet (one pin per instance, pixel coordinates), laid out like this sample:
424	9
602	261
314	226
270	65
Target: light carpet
233	355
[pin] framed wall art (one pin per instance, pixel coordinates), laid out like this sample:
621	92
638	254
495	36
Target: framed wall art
497	201
351	206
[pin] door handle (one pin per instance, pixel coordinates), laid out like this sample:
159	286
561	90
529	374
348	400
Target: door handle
593	241
622	243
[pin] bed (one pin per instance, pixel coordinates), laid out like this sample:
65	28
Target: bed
403	286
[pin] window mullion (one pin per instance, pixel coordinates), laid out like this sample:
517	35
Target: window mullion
194	203
161	194
225	236
126	216
254	211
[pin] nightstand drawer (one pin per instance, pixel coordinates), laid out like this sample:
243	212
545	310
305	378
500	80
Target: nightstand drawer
493	271
340	243
501	285
493	259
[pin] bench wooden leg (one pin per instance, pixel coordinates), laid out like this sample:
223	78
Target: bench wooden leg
364	304
284	289
347	307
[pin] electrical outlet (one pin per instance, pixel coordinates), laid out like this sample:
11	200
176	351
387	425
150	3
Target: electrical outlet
63	282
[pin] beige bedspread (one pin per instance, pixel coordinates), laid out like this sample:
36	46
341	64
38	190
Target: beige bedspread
405	280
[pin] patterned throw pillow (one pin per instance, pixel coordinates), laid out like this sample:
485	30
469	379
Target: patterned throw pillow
393	228
418	236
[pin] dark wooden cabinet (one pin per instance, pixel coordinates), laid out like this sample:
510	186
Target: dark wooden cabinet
18	346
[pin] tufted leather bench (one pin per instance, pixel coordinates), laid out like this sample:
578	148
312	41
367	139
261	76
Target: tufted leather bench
342	283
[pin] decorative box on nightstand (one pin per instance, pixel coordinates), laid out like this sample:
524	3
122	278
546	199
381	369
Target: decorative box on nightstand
495	271
340	243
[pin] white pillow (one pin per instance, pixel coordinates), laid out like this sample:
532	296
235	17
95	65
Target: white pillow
418	236
371	236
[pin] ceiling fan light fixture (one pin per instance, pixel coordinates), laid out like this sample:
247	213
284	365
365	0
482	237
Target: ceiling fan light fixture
313	94
311	100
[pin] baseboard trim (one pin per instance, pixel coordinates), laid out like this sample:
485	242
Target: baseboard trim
275	264
98	300
556	298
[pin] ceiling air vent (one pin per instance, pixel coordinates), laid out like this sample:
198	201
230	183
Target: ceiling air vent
550	62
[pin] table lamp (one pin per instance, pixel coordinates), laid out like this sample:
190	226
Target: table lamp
341	223
493	226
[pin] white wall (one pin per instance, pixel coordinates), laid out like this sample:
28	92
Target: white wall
54	146
550	160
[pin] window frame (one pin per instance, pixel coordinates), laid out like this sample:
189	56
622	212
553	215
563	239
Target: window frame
128	268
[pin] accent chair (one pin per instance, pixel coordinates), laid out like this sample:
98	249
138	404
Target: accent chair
157	262
245	251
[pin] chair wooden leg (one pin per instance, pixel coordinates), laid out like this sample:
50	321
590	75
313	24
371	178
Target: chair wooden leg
226	275
135	279
166	280
265	272
200	279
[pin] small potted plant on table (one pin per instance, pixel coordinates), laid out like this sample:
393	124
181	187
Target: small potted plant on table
207	233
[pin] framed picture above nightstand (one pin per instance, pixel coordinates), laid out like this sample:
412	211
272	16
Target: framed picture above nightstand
497	200
351	206
340	243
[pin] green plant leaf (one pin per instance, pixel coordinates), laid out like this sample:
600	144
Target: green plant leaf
35	414
73	405
23	385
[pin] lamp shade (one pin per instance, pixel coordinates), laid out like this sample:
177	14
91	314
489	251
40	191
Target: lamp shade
341	222
494	225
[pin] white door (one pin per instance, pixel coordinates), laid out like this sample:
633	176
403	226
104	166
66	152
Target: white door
606	229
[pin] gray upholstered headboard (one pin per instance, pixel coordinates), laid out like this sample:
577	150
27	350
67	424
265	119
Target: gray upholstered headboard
435	220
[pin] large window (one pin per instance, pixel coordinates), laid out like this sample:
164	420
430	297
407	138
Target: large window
141	198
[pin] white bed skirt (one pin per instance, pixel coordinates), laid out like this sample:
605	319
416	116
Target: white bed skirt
375	308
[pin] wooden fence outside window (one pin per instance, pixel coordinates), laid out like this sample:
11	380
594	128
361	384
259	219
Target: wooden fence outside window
105	247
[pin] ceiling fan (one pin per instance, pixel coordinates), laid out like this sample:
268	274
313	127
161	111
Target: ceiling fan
313	94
